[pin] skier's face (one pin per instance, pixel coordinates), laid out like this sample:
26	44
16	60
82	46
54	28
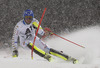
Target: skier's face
28	19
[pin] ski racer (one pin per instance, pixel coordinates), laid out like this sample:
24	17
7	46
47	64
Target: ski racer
25	31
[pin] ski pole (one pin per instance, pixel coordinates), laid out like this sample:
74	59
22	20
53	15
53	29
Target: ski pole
47	29
37	33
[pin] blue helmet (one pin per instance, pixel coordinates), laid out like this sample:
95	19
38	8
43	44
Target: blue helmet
28	12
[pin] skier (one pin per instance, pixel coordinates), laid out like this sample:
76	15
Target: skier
25	31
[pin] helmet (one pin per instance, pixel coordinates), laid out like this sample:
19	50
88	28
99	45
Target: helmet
28	12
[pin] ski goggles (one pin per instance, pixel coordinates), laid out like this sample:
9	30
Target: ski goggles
28	17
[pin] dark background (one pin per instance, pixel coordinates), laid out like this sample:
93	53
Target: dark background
60	14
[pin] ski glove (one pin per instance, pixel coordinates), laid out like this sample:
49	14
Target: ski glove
15	53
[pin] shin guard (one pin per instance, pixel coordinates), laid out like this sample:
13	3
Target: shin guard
58	54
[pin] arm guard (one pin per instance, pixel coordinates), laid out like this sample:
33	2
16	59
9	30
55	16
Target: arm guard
35	25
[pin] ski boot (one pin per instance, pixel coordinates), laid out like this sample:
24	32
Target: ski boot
48	57
75	61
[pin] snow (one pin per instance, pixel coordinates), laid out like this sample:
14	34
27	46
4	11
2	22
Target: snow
89	57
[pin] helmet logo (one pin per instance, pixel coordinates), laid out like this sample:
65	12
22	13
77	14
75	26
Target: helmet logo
28	13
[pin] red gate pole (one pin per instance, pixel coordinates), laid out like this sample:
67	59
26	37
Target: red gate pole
37	33
68	40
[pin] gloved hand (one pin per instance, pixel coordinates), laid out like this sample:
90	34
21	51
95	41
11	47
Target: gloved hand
48	32
15	53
